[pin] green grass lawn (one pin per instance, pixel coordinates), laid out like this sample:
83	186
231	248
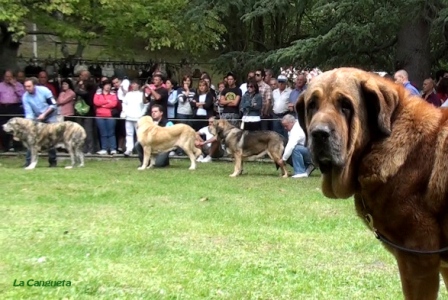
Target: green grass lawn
119	233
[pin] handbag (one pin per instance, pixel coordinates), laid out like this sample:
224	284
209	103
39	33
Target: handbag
81	107
115	112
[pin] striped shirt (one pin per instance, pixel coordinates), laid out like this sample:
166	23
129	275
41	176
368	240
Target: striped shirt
266	96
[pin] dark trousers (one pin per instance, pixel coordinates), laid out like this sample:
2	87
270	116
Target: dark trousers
91	145
266	124
162	159
185	119
120	133
52	158
6	110
252	126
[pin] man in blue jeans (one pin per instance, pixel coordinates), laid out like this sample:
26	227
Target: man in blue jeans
295	153
39	104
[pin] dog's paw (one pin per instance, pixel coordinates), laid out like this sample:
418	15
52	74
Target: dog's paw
81	166
30	168
233	175
192	168
285	176
141	168
69	167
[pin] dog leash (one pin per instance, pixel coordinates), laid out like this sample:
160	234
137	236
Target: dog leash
369	219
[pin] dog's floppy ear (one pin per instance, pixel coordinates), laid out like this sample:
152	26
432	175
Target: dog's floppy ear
300	109
380	98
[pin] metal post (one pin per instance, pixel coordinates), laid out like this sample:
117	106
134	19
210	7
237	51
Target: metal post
34	41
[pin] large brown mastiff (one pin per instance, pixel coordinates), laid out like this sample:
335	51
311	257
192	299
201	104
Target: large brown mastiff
373	140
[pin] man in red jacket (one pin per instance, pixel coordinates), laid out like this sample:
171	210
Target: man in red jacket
43	81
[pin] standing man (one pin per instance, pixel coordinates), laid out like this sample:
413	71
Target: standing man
300	86
11	92
266	96
402	77
121	87
156	94
429	93
163	158
40	105
295	153
20	77
43	81
281	102
274	83
268	74
230	101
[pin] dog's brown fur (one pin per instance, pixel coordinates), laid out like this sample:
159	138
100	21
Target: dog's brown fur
37	135
244	144
373	140
156	139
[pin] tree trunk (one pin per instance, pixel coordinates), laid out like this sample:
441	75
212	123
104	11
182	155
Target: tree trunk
258	34
78	53
413	50
8	51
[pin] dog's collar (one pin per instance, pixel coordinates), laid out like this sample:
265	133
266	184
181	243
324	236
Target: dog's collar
369	219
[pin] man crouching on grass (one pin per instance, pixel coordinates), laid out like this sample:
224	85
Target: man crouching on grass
211	147
162	159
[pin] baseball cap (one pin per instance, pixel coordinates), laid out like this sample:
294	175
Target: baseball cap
282	78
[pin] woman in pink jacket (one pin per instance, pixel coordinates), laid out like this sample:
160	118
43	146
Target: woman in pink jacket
66	100
105	102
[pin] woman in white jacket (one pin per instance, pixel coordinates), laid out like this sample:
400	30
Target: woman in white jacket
133	109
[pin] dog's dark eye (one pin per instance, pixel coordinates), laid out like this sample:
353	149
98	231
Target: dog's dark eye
312	106
346	107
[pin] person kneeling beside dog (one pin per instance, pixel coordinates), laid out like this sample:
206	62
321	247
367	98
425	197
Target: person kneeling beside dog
295	153
211	147
162	159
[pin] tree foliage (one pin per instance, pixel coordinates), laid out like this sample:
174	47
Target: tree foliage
373	34
156	24
329	33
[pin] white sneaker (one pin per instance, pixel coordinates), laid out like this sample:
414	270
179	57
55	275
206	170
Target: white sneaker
172	153
310	169
300	175
113	152
200	158
207	159
102	152
127	153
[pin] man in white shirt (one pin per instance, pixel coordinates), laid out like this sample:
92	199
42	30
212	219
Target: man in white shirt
280	104
121	86
211	146
295	153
